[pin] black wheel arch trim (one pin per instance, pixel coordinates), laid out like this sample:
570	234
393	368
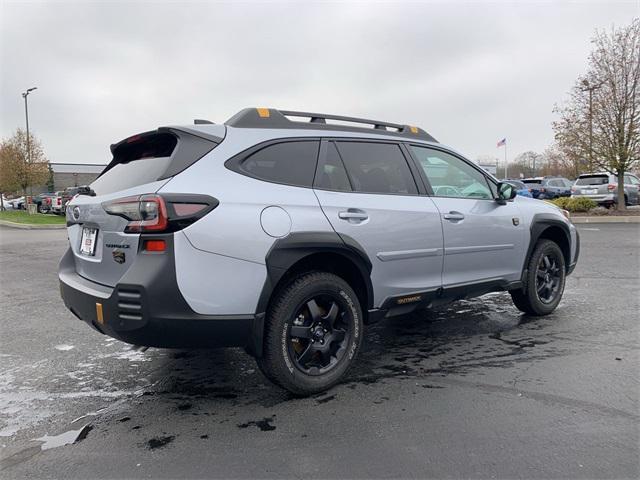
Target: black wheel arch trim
539	224
288	251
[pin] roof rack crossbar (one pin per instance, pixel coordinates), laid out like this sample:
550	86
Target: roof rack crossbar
324	116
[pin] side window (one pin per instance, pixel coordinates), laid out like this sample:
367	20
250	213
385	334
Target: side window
634	180
291	163
451	177
377	168
333	175
555	183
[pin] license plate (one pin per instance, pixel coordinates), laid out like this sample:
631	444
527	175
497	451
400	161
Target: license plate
88	241
590	192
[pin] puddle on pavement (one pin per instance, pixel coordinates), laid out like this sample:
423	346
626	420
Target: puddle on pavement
66	438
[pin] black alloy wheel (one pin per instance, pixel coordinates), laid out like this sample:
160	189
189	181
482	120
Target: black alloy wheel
548	277
319	334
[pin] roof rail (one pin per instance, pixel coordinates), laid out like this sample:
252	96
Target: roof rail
272	118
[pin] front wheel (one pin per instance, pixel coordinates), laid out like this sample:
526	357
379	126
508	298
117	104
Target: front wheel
545	280
313	333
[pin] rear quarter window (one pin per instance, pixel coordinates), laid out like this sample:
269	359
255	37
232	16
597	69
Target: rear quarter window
290	163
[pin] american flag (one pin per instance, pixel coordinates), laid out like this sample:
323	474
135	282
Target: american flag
502	143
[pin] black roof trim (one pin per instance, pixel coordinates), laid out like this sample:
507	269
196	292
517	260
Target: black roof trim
272	118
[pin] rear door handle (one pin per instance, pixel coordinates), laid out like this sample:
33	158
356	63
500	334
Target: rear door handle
353	214
453	216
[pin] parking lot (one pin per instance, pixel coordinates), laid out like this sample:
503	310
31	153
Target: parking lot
472	390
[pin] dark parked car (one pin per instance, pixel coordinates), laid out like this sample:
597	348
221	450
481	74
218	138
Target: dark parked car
548	188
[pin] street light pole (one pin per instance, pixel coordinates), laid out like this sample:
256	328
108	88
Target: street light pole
590	88
26	116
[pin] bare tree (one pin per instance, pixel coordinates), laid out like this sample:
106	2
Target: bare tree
600	123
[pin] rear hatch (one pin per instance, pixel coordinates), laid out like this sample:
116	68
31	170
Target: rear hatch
596	184
105	245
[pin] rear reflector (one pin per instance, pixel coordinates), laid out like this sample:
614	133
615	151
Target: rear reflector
99	315
155	245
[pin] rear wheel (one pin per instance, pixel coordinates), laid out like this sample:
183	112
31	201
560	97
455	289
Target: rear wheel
545	280
313	333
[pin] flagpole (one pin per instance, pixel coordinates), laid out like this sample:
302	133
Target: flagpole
505	161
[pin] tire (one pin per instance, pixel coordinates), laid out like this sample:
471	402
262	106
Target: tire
545	280
313	332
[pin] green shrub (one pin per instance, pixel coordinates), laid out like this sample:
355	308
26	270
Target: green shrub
575	204
581	204
562	202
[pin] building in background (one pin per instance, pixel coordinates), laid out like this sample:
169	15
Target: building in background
489	168
73	174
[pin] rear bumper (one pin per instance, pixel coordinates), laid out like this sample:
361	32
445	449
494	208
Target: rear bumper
601	198
147	308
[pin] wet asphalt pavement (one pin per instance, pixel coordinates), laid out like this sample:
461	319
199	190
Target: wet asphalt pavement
472	390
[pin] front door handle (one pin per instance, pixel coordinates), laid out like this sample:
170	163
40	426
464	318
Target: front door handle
453	216
353	215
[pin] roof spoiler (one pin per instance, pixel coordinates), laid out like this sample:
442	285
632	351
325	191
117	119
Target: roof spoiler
272	118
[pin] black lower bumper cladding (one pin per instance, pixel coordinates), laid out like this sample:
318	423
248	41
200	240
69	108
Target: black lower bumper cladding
146	307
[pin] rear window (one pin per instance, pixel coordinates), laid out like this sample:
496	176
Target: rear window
377	168
530	182
148	157
593	180
291	163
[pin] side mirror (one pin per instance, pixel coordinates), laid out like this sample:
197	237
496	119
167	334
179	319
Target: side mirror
506	191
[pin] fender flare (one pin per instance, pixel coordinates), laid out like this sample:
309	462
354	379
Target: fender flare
539	223
287	251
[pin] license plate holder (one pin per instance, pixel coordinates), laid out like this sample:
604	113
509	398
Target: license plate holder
590	191
88	241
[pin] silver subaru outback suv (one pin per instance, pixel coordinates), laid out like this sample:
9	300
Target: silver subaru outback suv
286	233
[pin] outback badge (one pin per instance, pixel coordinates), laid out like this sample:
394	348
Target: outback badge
118	256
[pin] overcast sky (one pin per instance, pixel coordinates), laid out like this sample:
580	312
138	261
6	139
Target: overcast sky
468	73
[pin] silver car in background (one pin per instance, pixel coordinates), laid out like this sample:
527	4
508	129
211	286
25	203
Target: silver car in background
602	188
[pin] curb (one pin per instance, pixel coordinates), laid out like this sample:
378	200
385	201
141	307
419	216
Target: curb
31	226
605	219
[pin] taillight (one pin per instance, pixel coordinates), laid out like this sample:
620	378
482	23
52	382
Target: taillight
612	186
573	189
160	213
146	213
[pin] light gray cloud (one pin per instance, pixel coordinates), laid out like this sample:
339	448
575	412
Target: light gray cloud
469	73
